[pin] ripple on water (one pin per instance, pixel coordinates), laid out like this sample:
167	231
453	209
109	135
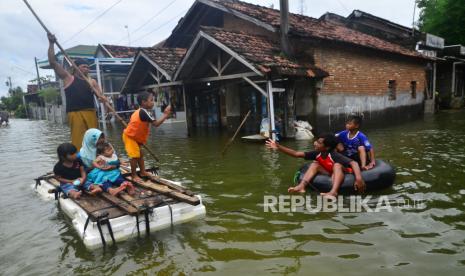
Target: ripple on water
237	236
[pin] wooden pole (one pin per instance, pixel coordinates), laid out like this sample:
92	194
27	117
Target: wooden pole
269	88
235	134
39	83
87	79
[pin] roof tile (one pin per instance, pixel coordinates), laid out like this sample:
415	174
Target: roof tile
121	51
167	58
263	53
311	27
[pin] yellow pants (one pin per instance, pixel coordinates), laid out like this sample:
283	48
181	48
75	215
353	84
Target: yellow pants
131	146
79	122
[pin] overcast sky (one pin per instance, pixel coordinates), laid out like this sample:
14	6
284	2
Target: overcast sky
77	22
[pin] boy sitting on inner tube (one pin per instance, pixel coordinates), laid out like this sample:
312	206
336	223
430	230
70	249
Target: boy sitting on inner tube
326	161
355	145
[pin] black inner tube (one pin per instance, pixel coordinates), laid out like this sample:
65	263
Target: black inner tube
380	177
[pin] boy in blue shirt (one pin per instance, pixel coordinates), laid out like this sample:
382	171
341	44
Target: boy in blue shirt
355	145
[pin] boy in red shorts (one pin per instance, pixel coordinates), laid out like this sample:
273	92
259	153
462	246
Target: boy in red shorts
138	131
326	161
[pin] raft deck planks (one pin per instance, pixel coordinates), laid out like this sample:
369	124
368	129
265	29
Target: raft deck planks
165	190
92	204
155	178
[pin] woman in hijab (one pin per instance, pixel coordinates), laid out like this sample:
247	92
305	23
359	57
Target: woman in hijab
88	151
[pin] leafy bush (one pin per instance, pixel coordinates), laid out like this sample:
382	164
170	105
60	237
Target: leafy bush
50	95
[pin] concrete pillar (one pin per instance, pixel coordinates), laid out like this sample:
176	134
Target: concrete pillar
269	90
233	107
289	114
188	114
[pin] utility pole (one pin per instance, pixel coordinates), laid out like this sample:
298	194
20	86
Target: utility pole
129	37
8	83
284	27
39	83
413	19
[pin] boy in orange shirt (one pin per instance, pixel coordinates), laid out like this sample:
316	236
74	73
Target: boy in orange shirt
138	131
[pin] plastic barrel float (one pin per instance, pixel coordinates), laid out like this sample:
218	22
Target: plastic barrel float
378	178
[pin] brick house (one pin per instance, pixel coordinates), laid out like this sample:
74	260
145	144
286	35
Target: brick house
238	58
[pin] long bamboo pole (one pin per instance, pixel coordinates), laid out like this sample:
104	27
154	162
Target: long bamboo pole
235	134
70	61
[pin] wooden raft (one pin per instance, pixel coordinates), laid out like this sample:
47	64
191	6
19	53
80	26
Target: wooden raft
164	187
153	191
122	205
93	205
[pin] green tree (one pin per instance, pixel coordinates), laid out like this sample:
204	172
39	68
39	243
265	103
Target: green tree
20	112
445	18
14	99
14	102
50	95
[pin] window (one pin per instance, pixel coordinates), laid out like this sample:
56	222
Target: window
392	89
413	89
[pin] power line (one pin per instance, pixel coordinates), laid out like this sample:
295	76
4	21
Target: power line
343	6
93	21
159	27
149	20
85	27
18	67
153	17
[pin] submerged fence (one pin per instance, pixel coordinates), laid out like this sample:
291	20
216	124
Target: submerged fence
52	113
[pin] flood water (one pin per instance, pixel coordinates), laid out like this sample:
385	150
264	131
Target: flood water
237	236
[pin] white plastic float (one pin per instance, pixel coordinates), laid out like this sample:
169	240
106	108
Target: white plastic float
123	227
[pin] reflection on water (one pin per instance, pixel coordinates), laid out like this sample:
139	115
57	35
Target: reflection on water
237	236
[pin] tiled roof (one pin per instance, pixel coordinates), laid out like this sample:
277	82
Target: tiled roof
121	51
81	50
167	58
263	53
311	27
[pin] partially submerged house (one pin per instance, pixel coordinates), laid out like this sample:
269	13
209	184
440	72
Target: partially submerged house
445	75
451	77
152	70
241	57
109	66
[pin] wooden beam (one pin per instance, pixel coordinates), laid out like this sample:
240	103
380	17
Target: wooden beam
162	181
117	202
167	76
219	45
173	83
167	191
123	205
256	86
134	64
230	52
186	57
226	77
213	67
155	77
218	62
231	58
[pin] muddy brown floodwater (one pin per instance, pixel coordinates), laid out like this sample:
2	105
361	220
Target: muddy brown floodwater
237	236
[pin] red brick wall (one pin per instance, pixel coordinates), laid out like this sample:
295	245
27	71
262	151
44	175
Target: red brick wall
367	72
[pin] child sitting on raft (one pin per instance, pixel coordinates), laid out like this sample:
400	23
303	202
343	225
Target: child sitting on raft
138	131
88	151
69	170
106	175
355	145
326	161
